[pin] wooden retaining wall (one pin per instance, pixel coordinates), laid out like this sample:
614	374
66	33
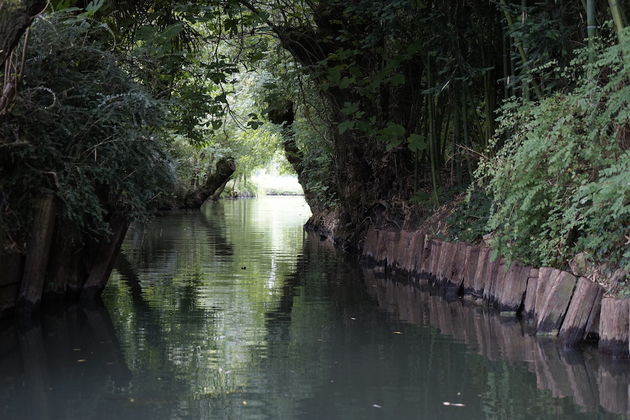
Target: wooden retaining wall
58	264
555	303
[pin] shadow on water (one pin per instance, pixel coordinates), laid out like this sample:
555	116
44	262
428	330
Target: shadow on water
590	380
72	355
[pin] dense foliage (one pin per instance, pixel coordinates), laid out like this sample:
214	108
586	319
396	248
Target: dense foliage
560	184
81	127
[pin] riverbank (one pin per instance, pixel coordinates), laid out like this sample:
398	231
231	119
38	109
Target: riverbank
552	302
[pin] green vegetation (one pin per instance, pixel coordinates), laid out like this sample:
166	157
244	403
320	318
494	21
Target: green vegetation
384	110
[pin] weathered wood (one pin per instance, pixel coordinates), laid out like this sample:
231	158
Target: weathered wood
512	291
370	243
436	249
556	302
584	300
494	278
400	250
458	268
543	284
424	256
415	248
105	259
471	261
613	326
480	272
381	247
38	250
392	248
529	304
591	332
64	263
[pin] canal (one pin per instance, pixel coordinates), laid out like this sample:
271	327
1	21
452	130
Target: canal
234	312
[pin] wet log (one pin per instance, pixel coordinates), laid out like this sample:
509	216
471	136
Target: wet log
64	266
458	268
556	302
381	247
480	273
37	254
512	291
613	327
543	283
402	248
105	258
392	248
370	243
495	274
591	332
423	258
436	247
529	304
586	297
415	248
445	263
471	261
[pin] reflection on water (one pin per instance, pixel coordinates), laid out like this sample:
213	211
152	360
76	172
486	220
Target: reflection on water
235	313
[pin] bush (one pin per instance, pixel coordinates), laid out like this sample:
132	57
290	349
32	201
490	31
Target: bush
560	184
82	127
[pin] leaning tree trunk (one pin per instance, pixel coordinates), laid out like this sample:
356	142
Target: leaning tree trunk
215	181
15	17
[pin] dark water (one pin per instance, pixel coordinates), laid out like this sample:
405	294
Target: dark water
235	313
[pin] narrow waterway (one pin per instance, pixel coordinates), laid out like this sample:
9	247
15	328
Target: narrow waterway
235	313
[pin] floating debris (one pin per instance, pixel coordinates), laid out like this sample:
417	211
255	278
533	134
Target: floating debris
376	406
451	404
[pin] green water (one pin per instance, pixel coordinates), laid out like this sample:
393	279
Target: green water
236	313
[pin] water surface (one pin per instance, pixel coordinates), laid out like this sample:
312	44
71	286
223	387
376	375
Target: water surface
234	312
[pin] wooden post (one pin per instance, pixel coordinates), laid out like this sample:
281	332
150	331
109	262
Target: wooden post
586	298
613	327
105	258
38	250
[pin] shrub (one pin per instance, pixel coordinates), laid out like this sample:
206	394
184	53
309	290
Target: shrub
82	127
560	184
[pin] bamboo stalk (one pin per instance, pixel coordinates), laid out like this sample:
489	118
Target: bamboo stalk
617	15
520	48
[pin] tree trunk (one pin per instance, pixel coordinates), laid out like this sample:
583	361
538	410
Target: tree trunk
15	17
215	181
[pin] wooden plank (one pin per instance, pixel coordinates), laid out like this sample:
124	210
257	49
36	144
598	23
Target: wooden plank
584	299
613	326
513	289
494	277
415	248
38	250
543	283
529	304
381	248
392	239
402	249
556	303
370	243
105	258
471	261
480	272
